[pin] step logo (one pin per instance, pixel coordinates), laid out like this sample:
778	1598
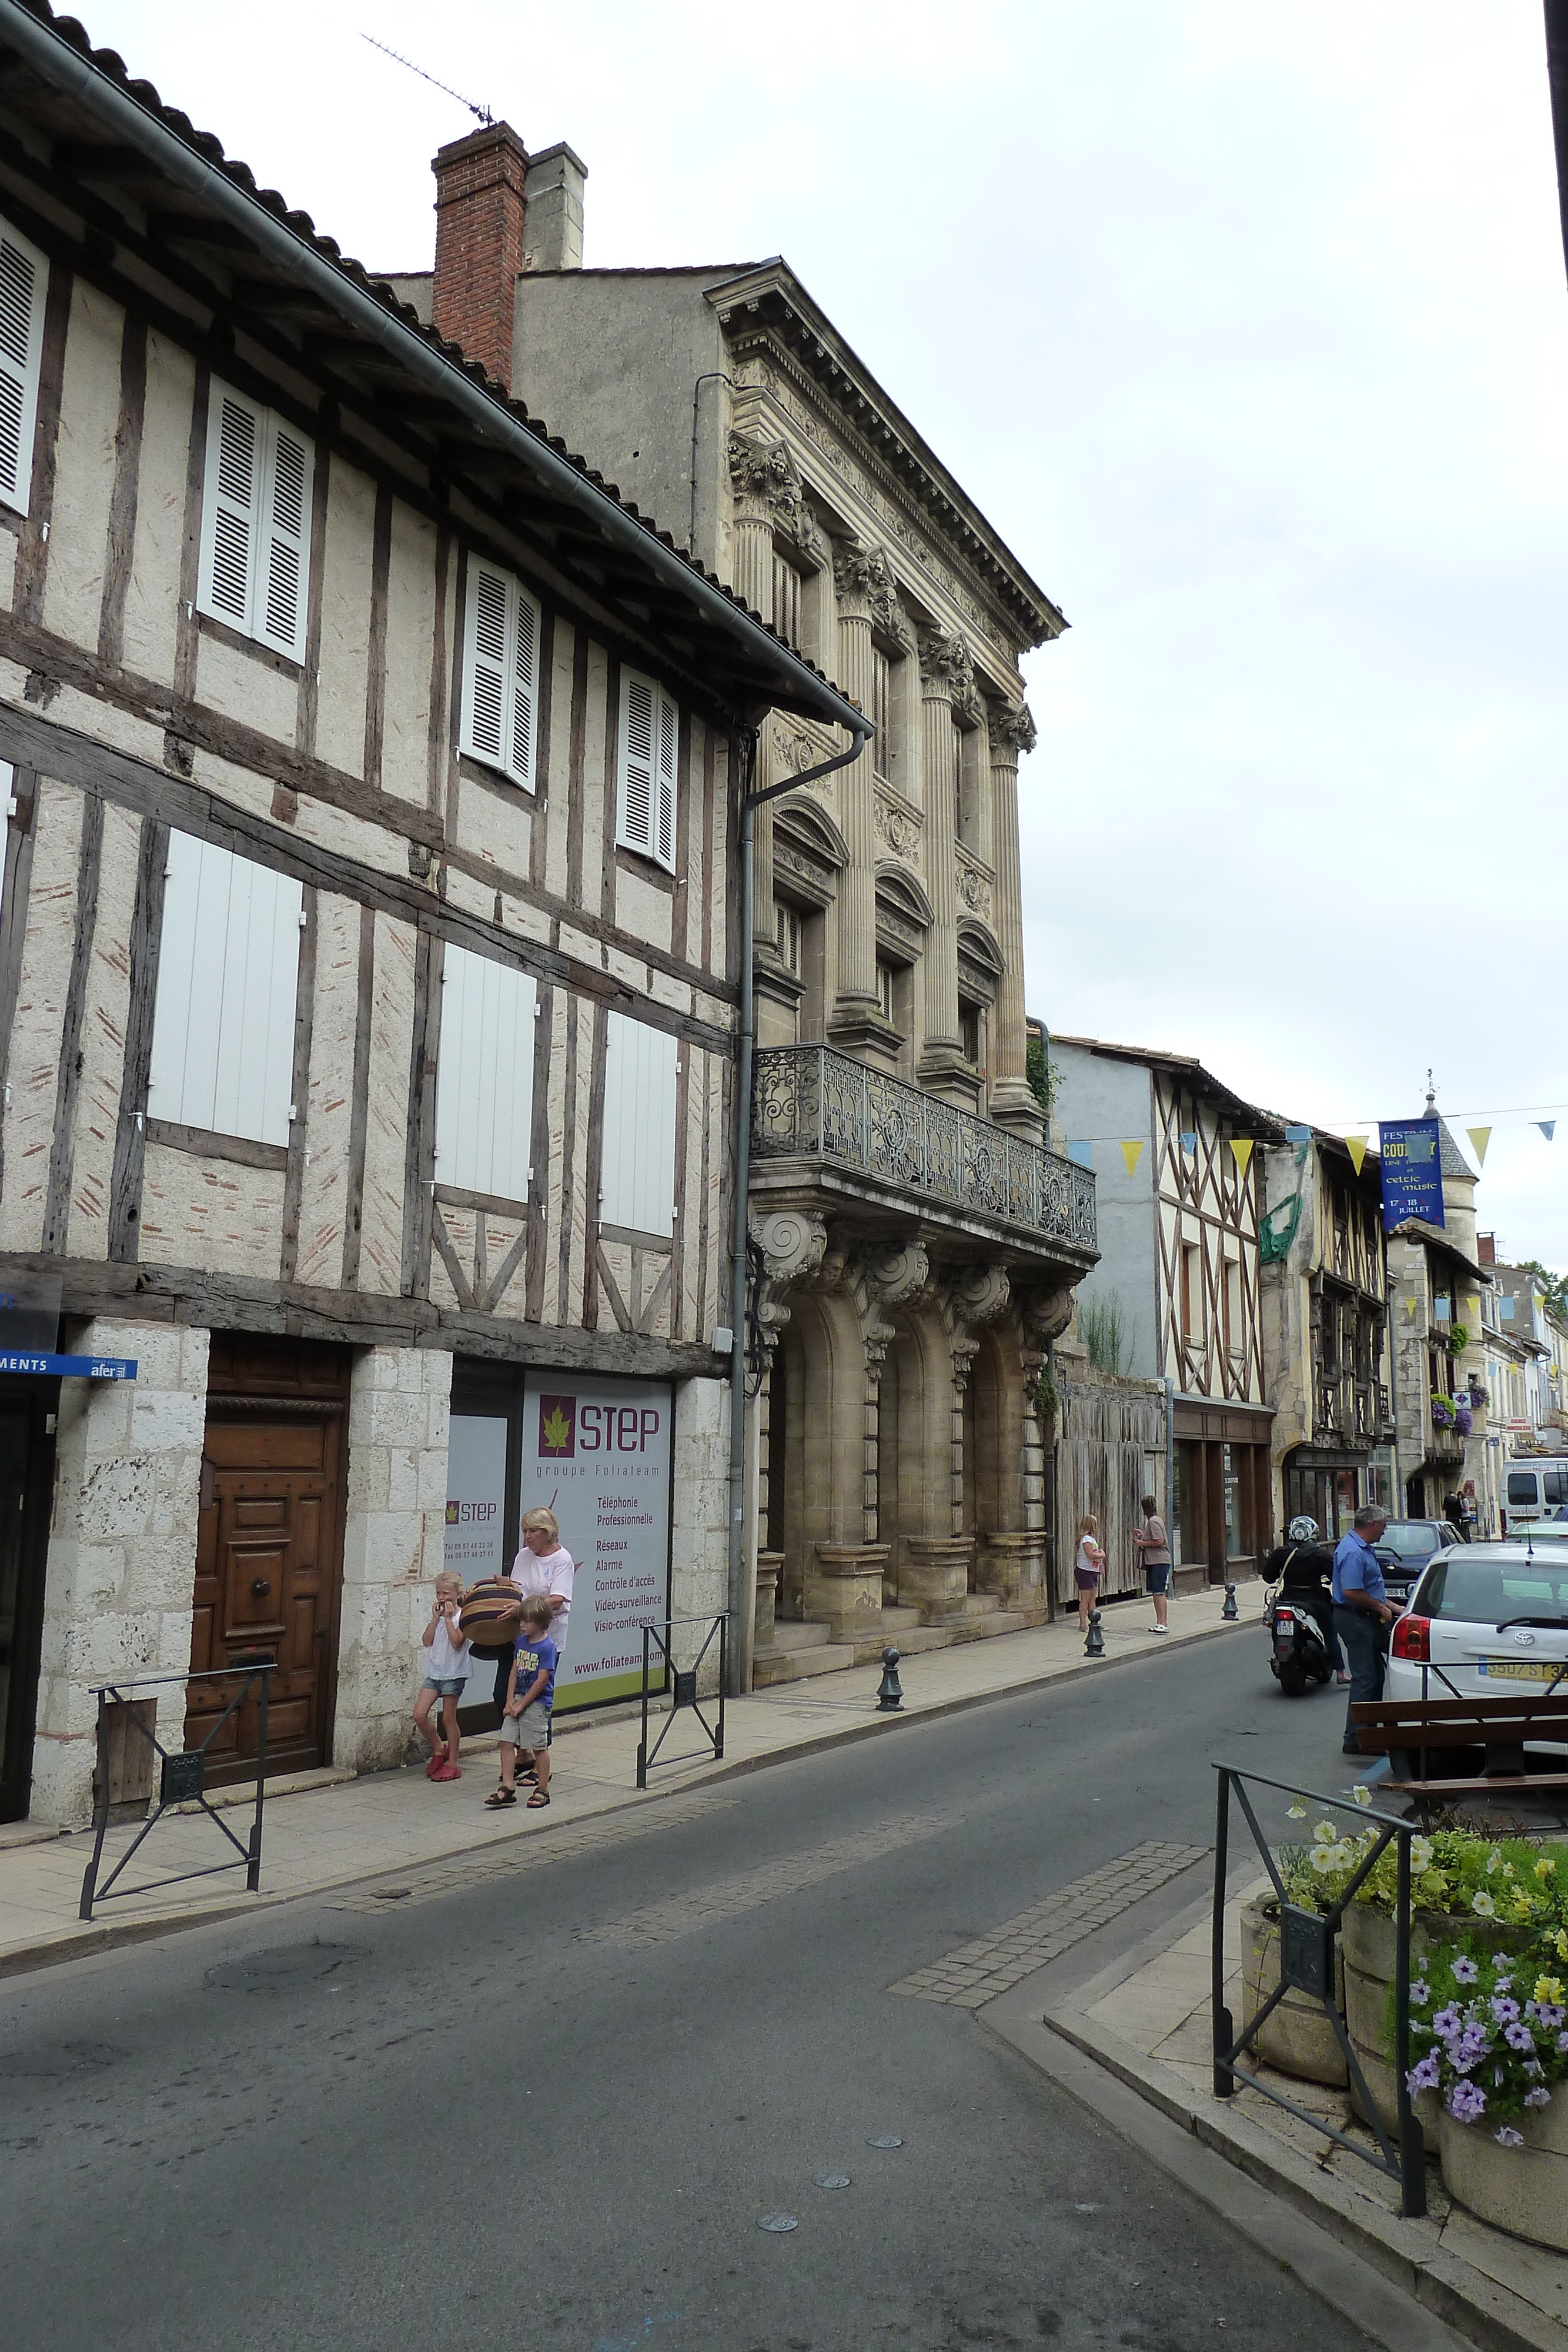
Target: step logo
557	1428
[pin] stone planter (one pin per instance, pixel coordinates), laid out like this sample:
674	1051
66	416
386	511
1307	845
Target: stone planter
1367	1945
843	1589
1297	2038
1523	2190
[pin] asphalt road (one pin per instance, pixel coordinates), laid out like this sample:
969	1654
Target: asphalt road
548	2107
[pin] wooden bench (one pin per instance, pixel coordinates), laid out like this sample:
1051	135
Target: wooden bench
1504	1728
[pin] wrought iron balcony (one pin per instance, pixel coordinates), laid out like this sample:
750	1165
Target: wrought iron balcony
811	1103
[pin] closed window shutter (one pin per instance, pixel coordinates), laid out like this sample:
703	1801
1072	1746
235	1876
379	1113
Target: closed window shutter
637	1169
525	689
237	432
638	719
222	1023
488	659
484	1076
285	539
669	737
23	280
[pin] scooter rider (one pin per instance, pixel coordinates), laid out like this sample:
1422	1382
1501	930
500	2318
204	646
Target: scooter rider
1302	1566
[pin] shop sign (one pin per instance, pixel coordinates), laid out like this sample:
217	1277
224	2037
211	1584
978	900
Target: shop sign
69	1367
596	1451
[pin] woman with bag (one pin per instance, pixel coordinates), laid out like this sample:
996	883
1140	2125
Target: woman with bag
1088	1567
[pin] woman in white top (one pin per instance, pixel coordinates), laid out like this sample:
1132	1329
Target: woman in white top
1088	1567
544	1565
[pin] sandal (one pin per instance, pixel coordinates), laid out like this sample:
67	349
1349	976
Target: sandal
497	1798
539	1798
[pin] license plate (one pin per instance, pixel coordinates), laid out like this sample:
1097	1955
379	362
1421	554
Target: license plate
1523	1670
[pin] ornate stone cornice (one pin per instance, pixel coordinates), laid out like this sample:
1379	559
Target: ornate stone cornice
1012	727
765	473
944	664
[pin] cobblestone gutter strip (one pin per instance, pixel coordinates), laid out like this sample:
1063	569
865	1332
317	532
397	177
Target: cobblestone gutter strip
979	1971
1408	2253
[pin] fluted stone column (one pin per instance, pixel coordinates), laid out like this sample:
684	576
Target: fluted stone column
856	572
1012	1104
943	665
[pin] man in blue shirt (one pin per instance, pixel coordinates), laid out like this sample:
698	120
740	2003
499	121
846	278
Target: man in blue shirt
1361	1611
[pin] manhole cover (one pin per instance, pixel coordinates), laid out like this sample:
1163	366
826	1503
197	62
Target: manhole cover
888	2139
778	2223
283	1968
830	2180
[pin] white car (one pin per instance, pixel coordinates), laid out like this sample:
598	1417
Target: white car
1486	1621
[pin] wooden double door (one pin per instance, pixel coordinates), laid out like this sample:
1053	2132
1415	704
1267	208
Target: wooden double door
270	1551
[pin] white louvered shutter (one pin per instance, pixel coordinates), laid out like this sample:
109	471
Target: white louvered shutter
485	712
525	686
484	1076
284	541
228	966
639	698
637	1174
24	281
665	781
236	436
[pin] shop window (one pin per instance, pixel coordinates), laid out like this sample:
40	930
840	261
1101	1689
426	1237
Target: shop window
228	970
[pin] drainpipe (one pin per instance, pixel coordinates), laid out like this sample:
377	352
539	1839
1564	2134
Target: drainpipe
1170	1466
742	1604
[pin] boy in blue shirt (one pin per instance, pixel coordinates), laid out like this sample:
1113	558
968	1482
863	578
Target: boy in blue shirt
530	1694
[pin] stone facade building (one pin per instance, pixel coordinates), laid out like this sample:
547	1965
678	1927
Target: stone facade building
1325	1331
368	967
1437	1346
915	1246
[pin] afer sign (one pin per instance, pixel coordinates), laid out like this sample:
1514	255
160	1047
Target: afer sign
597	1452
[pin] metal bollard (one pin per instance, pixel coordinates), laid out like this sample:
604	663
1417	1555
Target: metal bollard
1094	1647
890	1694
1231	1611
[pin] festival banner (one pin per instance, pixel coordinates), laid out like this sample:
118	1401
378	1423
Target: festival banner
1412	1171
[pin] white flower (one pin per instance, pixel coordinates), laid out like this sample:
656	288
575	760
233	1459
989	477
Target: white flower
1297	1811
1483	1905
1362	1793
1420	1856
1494	1861
1325	1860
1325	1833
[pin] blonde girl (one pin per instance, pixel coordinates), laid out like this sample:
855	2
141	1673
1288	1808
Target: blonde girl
446	1661
1088	1567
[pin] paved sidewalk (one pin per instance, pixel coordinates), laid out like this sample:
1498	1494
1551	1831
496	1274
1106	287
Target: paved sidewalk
1146	2021
340	1830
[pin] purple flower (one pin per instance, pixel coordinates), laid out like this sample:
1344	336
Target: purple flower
1533	2066
1464	1971
1563	2043
1466	2102
1518	2037
1468	2050
1550	2015
1509	2137
1539	2097
1505	2012
1502	1984
1423	2075
1420	1994
1448	2022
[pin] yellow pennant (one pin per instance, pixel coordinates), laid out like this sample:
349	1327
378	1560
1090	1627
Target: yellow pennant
1356	1147
1131	1152
1242	1146
1479	1138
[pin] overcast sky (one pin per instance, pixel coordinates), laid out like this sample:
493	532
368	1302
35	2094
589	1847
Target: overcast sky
1247	326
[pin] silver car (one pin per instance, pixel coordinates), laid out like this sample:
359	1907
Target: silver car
1486	1621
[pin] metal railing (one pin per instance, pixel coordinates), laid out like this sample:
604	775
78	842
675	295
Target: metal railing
181	1781
1307	1941
682	1684
812	1103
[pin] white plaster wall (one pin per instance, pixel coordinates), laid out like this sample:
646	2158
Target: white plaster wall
323	1206
105	1011
122	1547
346	618
393	1545
699	1561
210	1213
33	1062
410	635
152	598
386	1127
84	477
1104	1100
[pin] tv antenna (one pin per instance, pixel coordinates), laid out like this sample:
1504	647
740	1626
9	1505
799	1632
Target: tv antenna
480	113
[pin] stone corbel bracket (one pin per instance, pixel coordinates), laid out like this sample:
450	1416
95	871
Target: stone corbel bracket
791	1243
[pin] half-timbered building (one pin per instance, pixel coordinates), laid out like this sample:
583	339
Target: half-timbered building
1325	1329
368	963
1176	1162
916	1245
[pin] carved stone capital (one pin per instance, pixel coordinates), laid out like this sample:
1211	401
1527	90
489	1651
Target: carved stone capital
765	474
861	575
946	669
978	1295
1012	727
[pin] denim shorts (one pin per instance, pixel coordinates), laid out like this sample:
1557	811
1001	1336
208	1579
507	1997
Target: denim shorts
1157	1579
448	1687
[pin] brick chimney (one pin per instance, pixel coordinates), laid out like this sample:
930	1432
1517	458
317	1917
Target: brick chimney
479	203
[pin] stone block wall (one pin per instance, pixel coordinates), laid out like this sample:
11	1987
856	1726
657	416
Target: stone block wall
699	1504
394	1545
123	1546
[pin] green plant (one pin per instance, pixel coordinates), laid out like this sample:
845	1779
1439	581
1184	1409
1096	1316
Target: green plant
1492	2029
1047	1403
1458	1339
1103	1326
1039	1072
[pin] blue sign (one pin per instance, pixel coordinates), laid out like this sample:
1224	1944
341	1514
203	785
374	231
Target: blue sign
1412	1172
69	1367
